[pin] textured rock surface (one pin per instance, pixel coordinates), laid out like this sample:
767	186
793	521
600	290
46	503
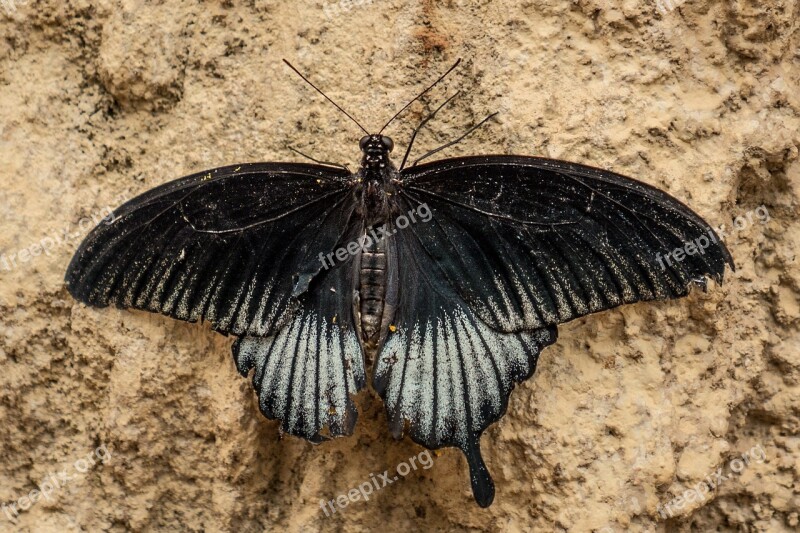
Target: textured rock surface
630	409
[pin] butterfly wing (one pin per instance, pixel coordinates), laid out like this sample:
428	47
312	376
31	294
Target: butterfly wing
443	370
231	246
306	373
529	242
513	247
241	247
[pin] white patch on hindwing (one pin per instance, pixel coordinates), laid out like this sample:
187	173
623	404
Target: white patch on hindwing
467	357
317	389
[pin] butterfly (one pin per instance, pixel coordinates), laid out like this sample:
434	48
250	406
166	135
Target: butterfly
439	283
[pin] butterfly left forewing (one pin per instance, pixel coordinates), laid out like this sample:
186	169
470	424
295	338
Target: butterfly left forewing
231	245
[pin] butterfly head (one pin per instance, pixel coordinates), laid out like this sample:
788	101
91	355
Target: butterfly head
376	150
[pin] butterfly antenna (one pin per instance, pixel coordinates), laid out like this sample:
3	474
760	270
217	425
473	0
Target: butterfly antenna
421	125
451	143
318	161
326	96
431	86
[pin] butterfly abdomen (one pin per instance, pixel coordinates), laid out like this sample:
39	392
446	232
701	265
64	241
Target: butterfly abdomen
371	311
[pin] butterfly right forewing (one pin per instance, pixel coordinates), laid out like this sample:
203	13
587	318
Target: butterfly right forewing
531	242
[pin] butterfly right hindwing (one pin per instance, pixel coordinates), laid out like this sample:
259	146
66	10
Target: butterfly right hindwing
445	371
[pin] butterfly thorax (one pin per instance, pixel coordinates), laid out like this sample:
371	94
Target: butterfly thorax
375	177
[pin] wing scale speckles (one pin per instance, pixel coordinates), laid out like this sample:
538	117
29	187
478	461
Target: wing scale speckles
305	375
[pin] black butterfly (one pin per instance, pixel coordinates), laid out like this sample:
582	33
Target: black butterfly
447	278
